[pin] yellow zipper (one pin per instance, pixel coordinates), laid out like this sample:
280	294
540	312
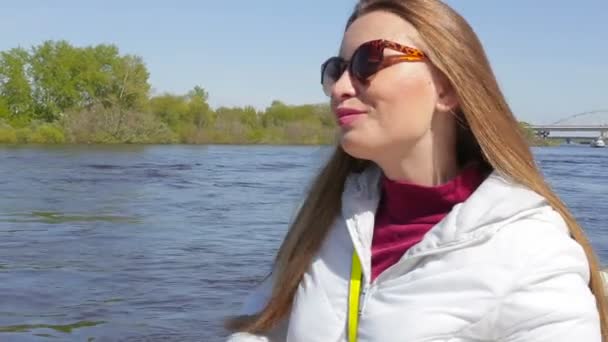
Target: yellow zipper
354	292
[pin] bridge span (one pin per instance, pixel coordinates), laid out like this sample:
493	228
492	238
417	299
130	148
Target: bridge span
594	123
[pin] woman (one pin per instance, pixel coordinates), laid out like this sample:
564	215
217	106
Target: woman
431	221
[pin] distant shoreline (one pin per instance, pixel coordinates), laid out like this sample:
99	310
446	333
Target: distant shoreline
278	144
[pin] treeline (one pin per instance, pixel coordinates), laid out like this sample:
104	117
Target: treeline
59	93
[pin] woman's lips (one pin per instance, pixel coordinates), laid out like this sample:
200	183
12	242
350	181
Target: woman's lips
348	120
347	116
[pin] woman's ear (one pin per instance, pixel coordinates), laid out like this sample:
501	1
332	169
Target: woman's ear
447	101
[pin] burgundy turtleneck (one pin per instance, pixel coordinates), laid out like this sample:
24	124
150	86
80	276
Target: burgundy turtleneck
408	211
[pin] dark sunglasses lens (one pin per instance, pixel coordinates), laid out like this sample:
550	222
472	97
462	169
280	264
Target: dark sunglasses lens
365	62
331	72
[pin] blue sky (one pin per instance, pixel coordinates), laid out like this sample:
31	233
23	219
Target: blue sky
550	56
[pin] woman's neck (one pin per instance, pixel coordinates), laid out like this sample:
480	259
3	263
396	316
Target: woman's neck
425	164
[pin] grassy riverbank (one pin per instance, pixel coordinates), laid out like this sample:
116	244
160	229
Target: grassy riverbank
187	119
277	124
105	127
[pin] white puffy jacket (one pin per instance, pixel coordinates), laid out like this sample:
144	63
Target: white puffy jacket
499	267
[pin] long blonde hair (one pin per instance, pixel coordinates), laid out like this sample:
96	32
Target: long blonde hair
489	134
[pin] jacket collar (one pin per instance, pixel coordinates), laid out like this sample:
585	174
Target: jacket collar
495	203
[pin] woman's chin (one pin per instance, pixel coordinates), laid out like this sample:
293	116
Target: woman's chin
355	145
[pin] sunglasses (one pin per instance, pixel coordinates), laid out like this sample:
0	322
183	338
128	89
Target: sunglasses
367	60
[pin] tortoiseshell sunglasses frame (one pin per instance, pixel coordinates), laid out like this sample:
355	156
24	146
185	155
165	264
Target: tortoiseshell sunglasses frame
376	55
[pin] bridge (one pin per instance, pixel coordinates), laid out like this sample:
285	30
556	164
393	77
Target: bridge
589	125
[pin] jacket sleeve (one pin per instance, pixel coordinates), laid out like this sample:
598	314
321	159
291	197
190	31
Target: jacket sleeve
550	299
254	303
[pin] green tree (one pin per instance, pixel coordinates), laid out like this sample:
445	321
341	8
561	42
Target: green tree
96	75
325	115
276	114
171	109
129	82
199	112
67	77
5	112
56	74
249	116
15	88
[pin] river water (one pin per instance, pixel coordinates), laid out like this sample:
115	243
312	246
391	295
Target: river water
159	243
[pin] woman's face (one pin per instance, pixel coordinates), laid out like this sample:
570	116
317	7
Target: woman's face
399	105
